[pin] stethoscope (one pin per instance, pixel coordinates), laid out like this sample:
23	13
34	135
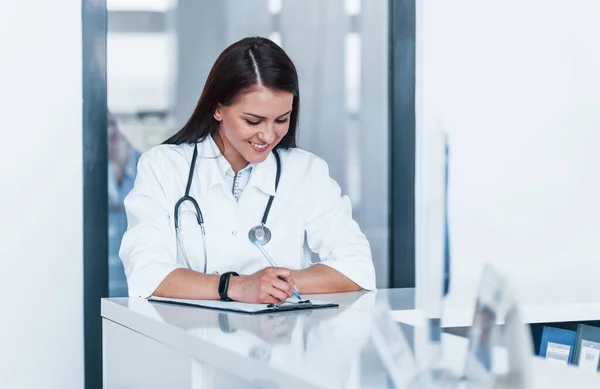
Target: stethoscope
259	235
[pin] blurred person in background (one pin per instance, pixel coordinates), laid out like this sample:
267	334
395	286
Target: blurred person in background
232	175
122	161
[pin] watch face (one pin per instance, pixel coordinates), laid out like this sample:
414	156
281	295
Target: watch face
222	282
224	285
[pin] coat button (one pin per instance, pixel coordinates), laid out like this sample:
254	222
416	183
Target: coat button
234	232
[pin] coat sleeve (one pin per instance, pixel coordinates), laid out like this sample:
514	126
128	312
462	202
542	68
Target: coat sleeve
331	231
148	249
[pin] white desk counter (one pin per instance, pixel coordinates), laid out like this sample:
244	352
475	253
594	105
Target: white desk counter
152	345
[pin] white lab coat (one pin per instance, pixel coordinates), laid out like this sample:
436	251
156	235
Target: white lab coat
308	213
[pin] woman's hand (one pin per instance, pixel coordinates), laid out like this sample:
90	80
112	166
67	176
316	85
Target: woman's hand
268	286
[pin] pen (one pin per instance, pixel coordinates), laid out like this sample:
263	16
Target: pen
272	263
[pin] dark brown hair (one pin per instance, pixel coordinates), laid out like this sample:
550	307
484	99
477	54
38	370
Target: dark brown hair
240	68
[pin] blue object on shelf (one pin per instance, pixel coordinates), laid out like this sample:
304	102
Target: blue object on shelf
558	344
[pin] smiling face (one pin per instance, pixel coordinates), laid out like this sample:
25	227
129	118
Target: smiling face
252	126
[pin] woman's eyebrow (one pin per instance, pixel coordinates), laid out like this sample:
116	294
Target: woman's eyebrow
262	117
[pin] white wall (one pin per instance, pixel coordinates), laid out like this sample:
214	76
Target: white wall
517	86
41	271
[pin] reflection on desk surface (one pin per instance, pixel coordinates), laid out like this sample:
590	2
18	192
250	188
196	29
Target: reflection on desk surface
321	345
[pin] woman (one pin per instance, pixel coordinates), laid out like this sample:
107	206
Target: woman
233	173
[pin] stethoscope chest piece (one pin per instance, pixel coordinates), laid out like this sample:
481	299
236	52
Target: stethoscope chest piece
259	235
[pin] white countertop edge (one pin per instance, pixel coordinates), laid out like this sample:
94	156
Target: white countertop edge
542	313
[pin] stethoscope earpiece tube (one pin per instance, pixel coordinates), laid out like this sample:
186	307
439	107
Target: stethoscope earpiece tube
187	196
277	175
199	216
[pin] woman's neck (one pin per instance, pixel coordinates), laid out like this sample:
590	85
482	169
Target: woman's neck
235	159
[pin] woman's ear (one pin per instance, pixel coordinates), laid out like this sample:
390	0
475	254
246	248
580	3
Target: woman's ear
217	114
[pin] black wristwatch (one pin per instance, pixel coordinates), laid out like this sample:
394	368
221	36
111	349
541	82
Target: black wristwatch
224	285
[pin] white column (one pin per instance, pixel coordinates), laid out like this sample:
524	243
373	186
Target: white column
41	195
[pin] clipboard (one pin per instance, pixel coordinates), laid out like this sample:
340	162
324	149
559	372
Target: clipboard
252	309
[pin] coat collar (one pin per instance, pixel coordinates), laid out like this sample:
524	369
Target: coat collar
263	175
211	168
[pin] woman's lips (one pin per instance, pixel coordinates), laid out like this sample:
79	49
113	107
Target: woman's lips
259	148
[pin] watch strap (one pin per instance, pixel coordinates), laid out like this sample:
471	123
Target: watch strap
224	285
